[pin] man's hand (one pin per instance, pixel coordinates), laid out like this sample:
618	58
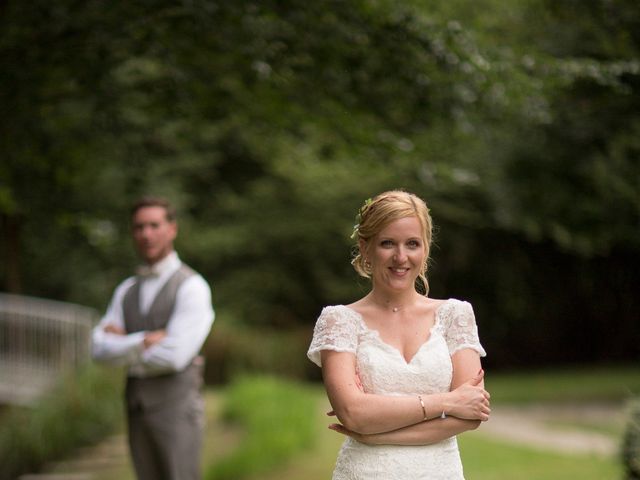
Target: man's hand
111	328
153	337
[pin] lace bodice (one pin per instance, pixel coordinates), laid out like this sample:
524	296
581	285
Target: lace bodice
383	370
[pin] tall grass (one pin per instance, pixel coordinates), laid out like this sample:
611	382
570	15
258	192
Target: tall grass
83	407
279	419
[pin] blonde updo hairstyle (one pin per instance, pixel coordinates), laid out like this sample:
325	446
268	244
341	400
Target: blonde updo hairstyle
376	214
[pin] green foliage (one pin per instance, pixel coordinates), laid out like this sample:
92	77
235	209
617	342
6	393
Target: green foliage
583	154
631	442
84	407
232	350
279	421
269	123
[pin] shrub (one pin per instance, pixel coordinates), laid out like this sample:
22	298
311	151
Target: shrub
233	350
84	406
631	442
279	419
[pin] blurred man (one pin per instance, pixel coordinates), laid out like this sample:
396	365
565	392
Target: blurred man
156	324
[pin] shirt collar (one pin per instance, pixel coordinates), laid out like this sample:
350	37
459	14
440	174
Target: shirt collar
168	263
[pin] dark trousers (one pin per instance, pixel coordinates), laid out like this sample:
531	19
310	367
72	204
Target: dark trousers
165	440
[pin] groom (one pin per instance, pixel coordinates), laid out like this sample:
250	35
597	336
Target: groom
156	323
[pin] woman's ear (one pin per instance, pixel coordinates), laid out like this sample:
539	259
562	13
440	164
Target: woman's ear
362	246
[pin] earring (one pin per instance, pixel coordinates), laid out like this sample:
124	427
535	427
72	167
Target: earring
367	264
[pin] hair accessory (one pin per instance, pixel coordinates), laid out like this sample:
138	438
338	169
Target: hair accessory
356	227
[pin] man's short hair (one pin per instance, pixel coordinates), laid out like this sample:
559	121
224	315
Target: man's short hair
151	201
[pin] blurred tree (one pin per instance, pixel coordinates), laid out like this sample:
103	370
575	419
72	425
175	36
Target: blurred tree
268	123
565	185
220	118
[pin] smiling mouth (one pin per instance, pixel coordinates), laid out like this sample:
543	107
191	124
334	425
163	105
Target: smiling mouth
399	270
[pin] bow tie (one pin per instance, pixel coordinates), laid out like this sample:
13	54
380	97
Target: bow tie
147	271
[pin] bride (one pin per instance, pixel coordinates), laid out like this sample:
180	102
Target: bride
401	370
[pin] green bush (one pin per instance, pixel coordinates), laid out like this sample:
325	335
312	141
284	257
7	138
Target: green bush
236	350
631	442
84	406
279	419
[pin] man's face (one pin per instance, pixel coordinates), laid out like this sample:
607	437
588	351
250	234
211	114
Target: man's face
153	234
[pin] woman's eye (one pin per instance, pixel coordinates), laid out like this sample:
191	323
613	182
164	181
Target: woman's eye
386	243
414	244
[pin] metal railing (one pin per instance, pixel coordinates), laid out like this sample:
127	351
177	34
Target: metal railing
39	340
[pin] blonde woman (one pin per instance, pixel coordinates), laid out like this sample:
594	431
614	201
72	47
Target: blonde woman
401	370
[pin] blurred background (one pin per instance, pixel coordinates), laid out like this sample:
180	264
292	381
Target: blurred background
268	124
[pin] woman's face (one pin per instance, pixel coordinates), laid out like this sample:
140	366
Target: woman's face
397	254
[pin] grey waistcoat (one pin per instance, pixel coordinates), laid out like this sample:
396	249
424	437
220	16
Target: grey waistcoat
145	393
162	307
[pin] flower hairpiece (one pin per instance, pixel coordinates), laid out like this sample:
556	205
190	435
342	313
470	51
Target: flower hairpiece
356	227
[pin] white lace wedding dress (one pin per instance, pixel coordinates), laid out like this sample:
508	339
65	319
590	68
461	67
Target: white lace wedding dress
383	370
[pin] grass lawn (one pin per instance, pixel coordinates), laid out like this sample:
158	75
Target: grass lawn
485	458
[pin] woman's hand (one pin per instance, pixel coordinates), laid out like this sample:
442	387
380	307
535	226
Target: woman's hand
337	427
469	401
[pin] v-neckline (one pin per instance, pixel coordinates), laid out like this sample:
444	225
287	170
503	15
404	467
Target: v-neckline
376	333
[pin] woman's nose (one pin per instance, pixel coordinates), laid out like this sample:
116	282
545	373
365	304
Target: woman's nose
400	255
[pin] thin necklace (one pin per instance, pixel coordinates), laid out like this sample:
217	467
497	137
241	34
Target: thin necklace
395	309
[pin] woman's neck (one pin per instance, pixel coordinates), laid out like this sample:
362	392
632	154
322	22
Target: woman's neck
393	301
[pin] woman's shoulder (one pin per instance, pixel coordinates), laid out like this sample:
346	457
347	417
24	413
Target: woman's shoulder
452	302
455	309
337	328
339	311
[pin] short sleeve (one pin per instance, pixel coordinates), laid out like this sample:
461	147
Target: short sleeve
336	329
460	329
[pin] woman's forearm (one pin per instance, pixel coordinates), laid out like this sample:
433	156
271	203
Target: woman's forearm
369	413
424	433
372	414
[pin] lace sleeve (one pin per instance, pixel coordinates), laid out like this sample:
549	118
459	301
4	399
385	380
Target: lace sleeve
460	327
335	330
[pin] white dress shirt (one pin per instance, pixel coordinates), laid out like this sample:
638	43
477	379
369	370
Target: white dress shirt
187	328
